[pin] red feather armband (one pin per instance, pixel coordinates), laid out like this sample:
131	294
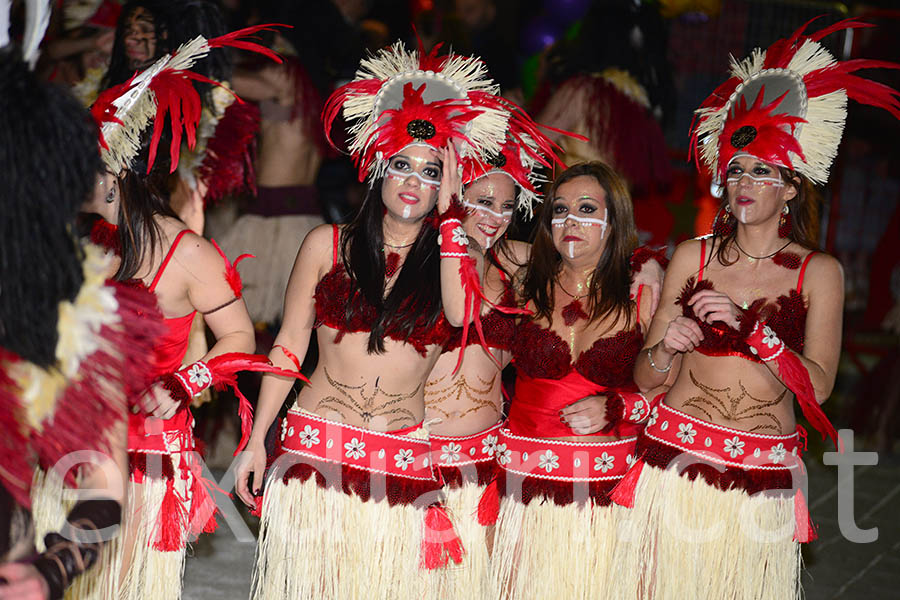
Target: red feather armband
221	372
632	407
766	345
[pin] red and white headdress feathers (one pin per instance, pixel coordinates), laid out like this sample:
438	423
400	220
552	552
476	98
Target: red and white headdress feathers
521	157
787	106
165	88
401	97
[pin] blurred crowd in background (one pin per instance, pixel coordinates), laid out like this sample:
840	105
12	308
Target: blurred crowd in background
558	59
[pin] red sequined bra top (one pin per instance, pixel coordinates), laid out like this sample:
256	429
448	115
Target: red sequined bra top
786	317
542	354
334	294
499	327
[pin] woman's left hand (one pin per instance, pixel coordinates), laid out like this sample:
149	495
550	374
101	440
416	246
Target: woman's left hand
450	179
651	275
585	416
711	306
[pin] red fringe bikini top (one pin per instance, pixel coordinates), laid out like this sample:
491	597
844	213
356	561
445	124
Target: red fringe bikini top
334	293
541	353
786	316
499	327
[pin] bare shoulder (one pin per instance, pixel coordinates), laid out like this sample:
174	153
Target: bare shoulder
318	248
687	255
824	272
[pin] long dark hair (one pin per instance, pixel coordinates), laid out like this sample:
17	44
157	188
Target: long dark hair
48	149
804	214
119	70
608	294
415	299
142	197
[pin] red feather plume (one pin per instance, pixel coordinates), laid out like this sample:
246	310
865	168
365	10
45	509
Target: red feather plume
774	133
231	273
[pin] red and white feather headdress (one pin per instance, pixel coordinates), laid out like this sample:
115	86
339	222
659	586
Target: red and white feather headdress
521	157
165	88
787	105
401	97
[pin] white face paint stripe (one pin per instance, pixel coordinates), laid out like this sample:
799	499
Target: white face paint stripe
561	221
407	210
571	249
774	181
507	214
403	176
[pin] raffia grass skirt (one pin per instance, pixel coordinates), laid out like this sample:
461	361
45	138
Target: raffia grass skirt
697	541
472	578
544	551
320	543
151	573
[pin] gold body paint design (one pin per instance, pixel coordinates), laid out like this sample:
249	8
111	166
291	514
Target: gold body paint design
459	388
730	407
355	399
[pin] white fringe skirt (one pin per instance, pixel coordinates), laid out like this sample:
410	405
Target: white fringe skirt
710	518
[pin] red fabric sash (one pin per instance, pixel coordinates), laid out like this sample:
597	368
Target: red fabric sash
535	407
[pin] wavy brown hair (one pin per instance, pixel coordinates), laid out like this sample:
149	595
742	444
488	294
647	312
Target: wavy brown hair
804	211
609	287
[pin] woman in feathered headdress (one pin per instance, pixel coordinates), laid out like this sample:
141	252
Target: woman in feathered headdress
557	458
170	501
750	320
354	492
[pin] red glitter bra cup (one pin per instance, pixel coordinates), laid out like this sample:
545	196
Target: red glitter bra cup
334	293
786	317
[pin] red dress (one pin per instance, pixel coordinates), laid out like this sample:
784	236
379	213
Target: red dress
548	380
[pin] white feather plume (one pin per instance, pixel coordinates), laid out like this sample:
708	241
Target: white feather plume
37	18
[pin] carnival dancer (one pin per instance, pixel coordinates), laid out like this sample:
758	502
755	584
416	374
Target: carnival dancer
750	319
350	508
464	392
72	344
169	501
557	459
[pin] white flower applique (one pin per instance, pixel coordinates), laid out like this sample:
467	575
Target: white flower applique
459	236
450	452
504	454
654	415
734	446
309	437
355	449
404	458
489	445
199	375
637	412
686	433
548	461
604	462
778	453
